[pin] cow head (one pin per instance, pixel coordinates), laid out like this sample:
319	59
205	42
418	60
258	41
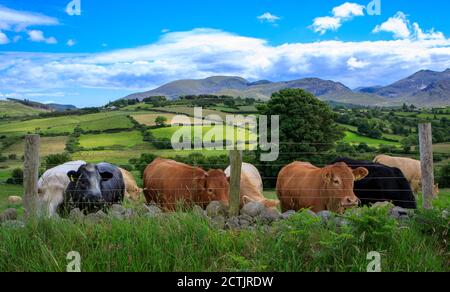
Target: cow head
85	186
339	180
214	186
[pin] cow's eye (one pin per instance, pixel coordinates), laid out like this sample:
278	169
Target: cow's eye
336	182
210	190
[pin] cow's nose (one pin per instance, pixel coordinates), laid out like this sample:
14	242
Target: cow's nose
93	197
351	201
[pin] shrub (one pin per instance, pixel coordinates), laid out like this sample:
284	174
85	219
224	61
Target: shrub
16	177
56	159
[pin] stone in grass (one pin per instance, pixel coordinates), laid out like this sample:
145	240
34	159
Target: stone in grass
398	212
13	224
197	210
253	209
288	214
118	209
233	223
8	215
383	205
95	218
216	209
325	216
445	214
310	213
115	214
269	215
153	211
76	215
218	222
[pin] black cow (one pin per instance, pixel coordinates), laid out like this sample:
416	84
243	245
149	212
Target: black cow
94	187
382	184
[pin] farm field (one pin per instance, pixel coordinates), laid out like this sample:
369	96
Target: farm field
354	138
227	132
149	119
14	109
66	124
190	111
49	145
125	139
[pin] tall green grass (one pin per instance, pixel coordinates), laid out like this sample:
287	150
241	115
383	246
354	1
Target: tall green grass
186	242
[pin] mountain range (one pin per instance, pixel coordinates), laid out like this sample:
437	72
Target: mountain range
424	88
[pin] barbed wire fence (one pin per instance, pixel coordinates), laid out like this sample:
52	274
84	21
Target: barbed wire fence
32	164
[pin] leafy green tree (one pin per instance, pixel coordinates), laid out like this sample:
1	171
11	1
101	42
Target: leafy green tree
161	121
307	125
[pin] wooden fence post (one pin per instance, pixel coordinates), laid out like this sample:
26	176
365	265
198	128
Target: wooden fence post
31	174
426	159
235	182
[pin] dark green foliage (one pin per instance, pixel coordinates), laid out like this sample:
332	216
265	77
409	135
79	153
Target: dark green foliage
56	159
444	176
16	177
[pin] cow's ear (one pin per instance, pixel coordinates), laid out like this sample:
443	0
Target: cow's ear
200	181
106	175
327	176
73	175
360	173
246	200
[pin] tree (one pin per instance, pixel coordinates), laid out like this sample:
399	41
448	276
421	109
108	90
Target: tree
16	177
161	121
307	125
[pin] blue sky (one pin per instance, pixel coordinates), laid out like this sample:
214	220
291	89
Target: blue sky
118	47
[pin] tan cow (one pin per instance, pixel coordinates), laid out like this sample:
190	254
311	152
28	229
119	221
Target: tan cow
252	186
169	183
301	185
410	168
132	191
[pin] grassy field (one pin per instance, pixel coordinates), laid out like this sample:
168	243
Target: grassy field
185	242
354	138
10	109
49	145
190	111
227	132
66	124
442	148
125	139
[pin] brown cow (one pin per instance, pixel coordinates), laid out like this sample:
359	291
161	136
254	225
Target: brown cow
301	185
132	191
168	183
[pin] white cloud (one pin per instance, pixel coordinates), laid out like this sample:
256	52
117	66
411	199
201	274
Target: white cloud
70	43
401	28
17	38
205	52
19	20
341	13
165	30
268	17
353	64
398	25
3	38
348	10
38	36
323	24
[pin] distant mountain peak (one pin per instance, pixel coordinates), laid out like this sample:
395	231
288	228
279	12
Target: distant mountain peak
422	88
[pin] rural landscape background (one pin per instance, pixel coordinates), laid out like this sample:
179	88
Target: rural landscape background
113	100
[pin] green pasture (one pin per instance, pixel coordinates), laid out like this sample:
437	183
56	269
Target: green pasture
13	109
354	138
48	145
66	124
125	139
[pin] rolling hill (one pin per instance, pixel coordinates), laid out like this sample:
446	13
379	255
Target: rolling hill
11	109
422	88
